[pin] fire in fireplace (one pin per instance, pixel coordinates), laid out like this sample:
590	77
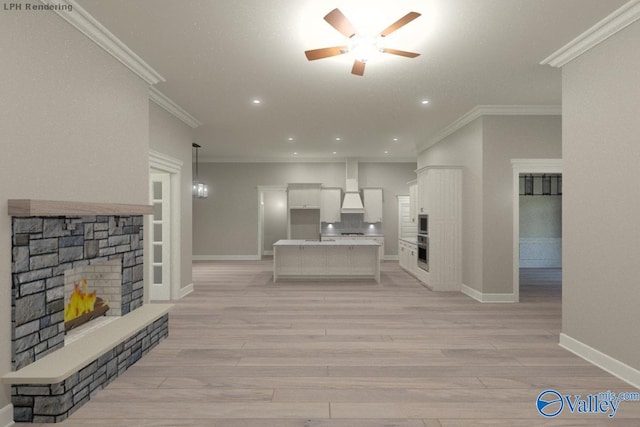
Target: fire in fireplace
83	306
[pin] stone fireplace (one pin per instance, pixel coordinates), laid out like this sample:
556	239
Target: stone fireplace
43	249
103	247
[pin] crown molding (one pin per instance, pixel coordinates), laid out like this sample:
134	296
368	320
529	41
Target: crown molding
491	110
163	101
340	160
616	21
75	15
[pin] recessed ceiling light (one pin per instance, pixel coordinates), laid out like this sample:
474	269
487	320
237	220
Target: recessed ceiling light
290	139
335	152
256	101
424	101
295	153
395	139
338	139
386	152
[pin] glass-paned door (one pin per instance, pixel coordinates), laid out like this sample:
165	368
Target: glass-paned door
160	265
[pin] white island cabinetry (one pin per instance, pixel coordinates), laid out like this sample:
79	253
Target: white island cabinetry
339	259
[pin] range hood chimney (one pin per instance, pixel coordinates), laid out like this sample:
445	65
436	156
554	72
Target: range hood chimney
352	203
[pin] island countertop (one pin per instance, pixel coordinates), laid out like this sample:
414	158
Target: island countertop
359	242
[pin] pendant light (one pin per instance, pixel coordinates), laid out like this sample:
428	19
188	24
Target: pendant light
199	189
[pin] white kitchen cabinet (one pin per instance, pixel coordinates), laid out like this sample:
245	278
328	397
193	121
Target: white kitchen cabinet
413	202
330	199
408	256
441	188
372	204
422	193
377	239
304	196
323	260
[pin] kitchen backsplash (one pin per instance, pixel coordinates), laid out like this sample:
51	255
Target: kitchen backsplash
352	223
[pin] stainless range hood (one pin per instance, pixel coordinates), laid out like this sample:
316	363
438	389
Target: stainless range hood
352	202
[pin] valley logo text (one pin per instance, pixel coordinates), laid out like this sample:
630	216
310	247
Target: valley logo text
550	403
13	7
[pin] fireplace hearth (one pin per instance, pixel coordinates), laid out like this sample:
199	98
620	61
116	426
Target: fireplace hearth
94	251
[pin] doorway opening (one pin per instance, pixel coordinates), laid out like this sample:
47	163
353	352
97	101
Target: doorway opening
537	220
272	218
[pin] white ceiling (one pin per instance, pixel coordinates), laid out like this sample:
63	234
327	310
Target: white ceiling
219	55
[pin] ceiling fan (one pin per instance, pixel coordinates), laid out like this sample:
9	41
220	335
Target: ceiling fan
361	47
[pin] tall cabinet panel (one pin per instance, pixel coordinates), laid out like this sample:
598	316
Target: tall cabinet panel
372	204
330	199
440	191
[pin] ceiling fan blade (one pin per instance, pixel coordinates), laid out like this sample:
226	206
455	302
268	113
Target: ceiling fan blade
399	23
401	53
325	52
358	68
340	22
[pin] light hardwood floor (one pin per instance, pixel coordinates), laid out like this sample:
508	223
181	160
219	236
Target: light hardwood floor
244	351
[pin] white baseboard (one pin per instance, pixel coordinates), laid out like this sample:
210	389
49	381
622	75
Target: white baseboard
391	258
184	291
487	298
6	416
225	258
268	253
613	366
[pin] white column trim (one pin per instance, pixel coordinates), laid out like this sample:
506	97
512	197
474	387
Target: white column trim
75	15
166	103
6	416
613	366
487	298
615	22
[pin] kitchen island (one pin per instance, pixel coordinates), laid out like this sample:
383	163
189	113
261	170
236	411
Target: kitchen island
330	259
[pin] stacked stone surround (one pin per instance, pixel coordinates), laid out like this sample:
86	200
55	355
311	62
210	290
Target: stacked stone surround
51	403
42	249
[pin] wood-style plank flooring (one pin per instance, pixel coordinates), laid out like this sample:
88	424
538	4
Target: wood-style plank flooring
244	351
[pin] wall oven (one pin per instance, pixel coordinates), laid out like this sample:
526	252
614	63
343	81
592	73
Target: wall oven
423	224
423	251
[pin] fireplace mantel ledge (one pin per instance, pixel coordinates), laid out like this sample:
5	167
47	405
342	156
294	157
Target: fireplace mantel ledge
31	207
59	365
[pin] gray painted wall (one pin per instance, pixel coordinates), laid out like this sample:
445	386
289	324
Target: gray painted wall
226	224
75	126
601	244
485	148
172	137
506	138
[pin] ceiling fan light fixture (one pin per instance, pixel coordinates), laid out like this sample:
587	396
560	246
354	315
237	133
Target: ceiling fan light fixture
364	48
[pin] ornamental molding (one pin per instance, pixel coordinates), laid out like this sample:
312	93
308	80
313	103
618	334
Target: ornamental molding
615	22
491	110
74	14
165	102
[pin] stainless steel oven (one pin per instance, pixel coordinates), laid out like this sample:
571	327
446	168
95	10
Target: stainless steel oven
423	251
423	224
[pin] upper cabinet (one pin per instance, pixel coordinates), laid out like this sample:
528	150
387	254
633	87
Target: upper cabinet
304	196
413	201
330	199
372	204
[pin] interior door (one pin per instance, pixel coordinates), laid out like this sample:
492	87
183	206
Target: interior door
160	235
